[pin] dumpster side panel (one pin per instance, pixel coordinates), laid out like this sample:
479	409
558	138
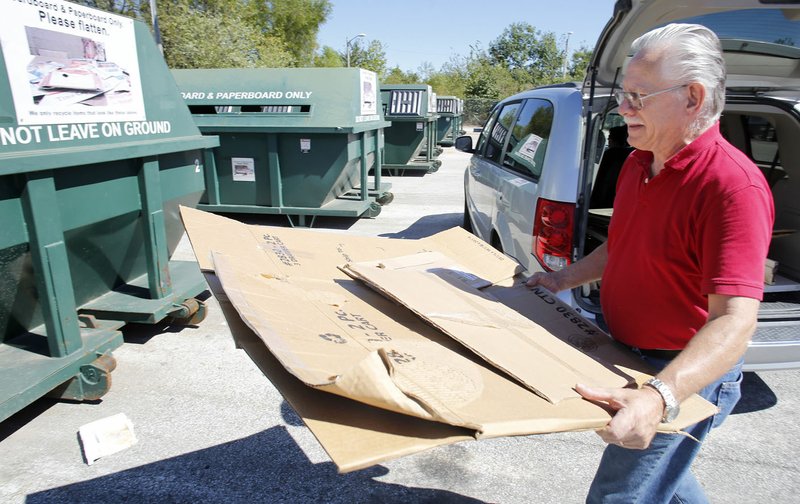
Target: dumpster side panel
19	305
402	141
182	183
243	182
101	210
330	167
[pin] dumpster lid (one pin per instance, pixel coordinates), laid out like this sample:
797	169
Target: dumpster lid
409	100
311	99
80	85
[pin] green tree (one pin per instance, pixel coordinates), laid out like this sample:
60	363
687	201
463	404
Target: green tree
371	56
580	63
231	33
202	38
329	58
532	56
296	22
138	9
398	76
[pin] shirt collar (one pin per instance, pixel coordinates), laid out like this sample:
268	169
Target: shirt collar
685	156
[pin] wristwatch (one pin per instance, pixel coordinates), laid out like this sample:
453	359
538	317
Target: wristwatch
672	407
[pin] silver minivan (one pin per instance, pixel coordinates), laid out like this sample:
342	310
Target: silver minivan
540	183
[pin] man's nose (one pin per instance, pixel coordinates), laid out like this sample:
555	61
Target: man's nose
625	108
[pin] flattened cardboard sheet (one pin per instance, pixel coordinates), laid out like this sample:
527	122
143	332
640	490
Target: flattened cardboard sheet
339	336
454	304
354	435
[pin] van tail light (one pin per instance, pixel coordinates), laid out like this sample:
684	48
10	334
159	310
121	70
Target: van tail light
552	233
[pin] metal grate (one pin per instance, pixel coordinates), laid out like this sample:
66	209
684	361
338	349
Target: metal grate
277	109
447	105
777	333
406	103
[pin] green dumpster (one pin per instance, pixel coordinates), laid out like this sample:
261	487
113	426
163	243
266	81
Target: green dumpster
449	125
97	151
293	141
410	142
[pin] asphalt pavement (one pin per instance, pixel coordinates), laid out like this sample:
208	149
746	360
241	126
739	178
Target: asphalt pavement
211	428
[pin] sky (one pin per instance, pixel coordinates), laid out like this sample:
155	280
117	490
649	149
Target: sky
417	31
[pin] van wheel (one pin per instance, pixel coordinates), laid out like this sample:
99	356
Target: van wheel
496	243
467	221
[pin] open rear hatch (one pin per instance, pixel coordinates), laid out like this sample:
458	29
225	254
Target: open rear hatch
761	118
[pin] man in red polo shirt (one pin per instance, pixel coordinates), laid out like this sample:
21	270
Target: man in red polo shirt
683	268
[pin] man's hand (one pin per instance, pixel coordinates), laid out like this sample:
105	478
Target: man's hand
588	269
549	281
638	413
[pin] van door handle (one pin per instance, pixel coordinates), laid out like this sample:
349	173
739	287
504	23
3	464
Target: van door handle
501	202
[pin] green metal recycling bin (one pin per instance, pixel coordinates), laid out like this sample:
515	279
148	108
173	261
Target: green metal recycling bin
97	151
293	141
450	110
410	142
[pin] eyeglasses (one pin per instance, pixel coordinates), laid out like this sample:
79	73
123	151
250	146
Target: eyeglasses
636	100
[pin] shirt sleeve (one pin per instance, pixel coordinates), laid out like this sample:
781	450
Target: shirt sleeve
735	240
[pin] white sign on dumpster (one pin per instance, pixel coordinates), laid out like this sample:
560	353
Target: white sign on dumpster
369	93
244	169
67	63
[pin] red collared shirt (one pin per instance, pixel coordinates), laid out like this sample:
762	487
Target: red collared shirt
701	226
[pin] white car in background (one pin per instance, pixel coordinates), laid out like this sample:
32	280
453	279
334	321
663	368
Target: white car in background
540	183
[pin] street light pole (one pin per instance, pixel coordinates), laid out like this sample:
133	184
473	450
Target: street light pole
566	54
347	46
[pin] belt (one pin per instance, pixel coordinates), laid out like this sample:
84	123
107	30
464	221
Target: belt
656	353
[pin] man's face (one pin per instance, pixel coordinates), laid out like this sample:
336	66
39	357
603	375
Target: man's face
661	125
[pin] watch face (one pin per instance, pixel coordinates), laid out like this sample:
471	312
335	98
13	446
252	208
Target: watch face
672	406
671	414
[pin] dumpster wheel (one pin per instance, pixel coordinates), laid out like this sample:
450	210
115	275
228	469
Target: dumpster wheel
385	198
373	211
91	381
190	312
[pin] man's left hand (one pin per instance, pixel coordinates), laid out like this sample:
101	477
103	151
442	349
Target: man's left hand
638	413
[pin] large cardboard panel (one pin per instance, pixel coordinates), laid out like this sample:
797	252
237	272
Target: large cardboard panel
454	304
339	336
353	434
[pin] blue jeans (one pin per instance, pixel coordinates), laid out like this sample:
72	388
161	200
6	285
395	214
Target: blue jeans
661	474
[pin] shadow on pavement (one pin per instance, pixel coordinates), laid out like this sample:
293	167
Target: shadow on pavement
264	467
428	225
756	395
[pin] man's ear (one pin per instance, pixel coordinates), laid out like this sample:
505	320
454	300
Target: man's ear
697	96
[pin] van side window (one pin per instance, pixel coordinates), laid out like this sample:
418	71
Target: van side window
764	148
485	131
499	131
757	137
527	143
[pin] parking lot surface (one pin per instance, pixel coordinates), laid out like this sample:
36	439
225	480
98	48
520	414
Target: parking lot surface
212	428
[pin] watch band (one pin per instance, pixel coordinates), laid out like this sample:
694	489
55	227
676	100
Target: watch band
672	407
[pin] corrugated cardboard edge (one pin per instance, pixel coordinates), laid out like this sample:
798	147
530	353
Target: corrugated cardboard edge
387	437
592	340
367	381
399	278
354	435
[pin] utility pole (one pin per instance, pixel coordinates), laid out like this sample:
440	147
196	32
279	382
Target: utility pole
566	55
347	46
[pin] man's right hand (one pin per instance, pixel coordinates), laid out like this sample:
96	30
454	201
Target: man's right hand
549	281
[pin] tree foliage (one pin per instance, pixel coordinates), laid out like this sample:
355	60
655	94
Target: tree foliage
185	47
398	76
231	33
296	22
283	33
580	63
371	56
328	57
533	57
